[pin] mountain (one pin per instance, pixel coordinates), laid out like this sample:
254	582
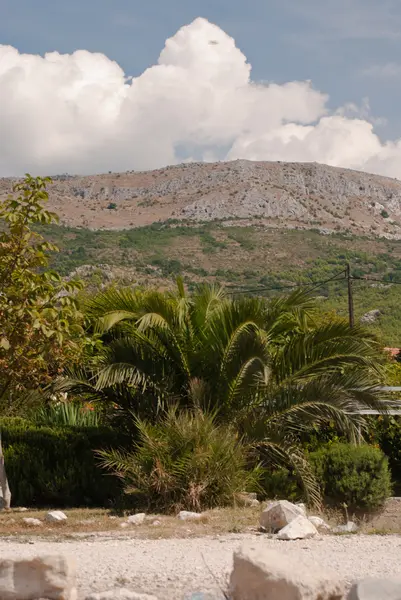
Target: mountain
253	227
289	195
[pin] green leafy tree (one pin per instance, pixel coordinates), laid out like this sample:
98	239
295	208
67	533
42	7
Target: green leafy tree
40	323
265	366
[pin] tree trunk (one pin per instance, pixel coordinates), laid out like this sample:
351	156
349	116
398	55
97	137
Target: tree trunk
5	494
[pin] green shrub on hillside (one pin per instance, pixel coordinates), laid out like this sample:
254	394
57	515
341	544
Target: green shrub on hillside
355	475
57	467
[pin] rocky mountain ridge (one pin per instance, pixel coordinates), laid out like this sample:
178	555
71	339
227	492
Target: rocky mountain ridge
272	194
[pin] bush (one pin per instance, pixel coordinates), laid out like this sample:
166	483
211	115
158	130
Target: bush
355	475
185	461
385	431
57	467
281	483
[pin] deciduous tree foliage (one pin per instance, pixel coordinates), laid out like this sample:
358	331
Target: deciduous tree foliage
40	323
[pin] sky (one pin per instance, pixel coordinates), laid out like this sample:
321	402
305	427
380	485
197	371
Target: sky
95	85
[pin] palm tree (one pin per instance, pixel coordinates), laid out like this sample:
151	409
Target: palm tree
265	366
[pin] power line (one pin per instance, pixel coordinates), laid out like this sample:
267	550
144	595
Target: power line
286	287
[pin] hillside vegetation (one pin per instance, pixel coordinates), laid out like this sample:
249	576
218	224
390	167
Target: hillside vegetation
257	258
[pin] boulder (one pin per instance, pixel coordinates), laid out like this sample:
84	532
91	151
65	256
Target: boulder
376	589
119	594
185	515
137	519
50	577
350	527
56	516
299	529
279	514
319	523
268	575
31	522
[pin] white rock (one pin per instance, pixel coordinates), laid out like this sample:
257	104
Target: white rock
55	516
350	527
376	589
137	519
302	508
319	523
268	575
124	525
254	503
299	529
156	523
21	509
119	594
279	514
186	515
50	577
31	522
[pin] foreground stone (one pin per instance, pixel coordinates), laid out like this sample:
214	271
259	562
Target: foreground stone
50	577
136	519
31	522
119	594
299	529
269	575
185	515
279	514
376	589
56	516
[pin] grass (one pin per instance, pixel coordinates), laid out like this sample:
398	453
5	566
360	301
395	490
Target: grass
220	521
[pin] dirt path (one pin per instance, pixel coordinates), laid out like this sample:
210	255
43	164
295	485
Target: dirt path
172	568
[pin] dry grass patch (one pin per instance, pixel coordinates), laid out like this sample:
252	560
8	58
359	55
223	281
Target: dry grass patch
86	521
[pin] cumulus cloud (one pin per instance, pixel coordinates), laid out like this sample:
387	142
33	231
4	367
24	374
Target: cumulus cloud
79	113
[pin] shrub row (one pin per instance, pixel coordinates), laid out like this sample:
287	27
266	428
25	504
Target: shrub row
57	466
357	476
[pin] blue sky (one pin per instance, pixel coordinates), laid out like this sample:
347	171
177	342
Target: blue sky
349	50
343	46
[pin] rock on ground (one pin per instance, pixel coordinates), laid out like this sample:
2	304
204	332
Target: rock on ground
31	522
185	515
350	527
299	529
50	577
268	575
137	519
319	523
279	514
376	589
55	516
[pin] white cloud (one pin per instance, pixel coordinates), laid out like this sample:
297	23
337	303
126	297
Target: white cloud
80	114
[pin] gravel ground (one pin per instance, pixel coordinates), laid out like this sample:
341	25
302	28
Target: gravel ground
173	568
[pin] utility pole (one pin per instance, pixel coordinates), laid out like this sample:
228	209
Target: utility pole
350	296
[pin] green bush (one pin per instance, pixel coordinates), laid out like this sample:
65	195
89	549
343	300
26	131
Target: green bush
385	432
185	461
355	475
279	484
58	467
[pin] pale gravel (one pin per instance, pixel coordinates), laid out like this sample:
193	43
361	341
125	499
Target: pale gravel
173	568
